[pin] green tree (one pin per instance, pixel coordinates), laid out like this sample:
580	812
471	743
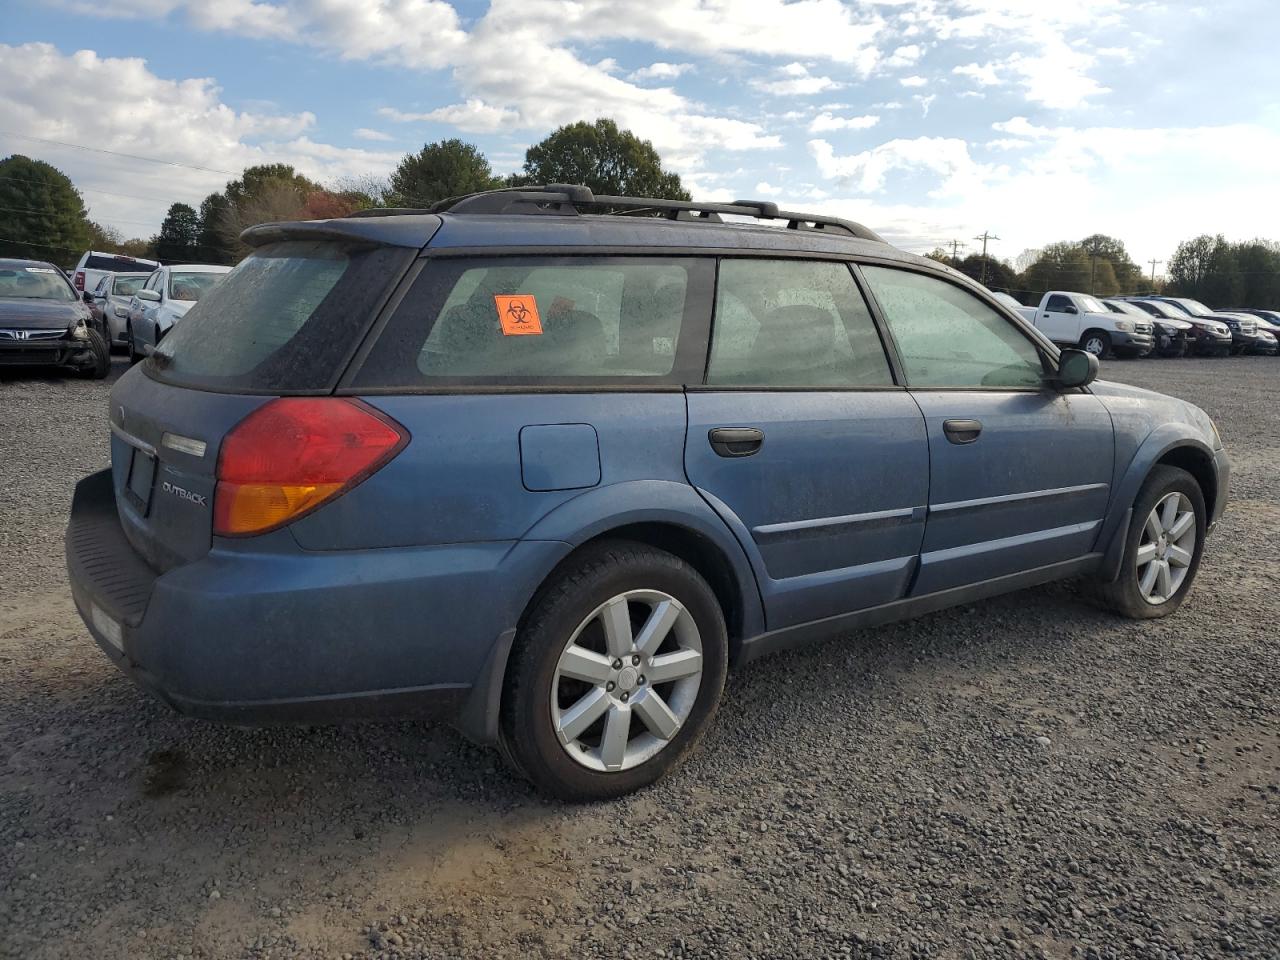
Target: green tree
267	177
42	215
600	156
1258	263
1190	264
999	275
214	210
179	237
1128	275
450	168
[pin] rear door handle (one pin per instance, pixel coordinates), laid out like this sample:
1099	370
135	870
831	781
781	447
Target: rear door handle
962	431
736	441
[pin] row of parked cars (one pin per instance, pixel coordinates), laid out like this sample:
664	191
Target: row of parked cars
1151	325
72	319
136	302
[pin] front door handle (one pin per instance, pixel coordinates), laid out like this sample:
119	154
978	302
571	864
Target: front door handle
736	441
962	431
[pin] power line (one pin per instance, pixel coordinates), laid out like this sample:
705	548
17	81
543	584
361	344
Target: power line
986	235
117	153
109	193
45	213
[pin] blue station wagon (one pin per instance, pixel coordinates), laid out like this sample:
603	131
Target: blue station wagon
546	464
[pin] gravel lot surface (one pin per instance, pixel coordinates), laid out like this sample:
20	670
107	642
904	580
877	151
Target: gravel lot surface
1025	777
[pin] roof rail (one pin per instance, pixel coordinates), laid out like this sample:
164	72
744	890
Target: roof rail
569	199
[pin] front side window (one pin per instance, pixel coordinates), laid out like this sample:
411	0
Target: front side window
793	323
1057	304
520	320
947	337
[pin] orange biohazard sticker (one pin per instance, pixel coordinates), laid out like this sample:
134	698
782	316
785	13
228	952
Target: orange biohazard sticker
519	315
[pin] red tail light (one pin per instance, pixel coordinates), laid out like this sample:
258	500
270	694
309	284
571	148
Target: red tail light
292	455
79	280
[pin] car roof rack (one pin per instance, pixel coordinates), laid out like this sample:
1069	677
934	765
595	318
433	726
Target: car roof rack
567	199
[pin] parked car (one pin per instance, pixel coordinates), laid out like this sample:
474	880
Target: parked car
1173	337
92	265
1244	329
110	303
1211	338
44	322
494	463
1069	319
163	300
1268	321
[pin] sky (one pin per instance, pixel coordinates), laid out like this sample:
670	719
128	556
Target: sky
929	121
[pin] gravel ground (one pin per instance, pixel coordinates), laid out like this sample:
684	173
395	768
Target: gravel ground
1025	777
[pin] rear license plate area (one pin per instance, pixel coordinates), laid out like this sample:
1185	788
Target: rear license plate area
142	477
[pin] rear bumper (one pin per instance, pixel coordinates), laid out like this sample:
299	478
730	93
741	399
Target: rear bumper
253	636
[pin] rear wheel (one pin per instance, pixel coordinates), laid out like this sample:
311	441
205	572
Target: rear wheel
1096	342
1162	548
616	674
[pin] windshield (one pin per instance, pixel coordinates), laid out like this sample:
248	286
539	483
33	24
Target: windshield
1121	306
34	283
1090	304
191	286
128	286
1194	307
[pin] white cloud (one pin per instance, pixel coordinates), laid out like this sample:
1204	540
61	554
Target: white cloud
824	122
661	71
868	171
905	56
42	94
983	74
913	81
765	189
474	116
364	133
795	80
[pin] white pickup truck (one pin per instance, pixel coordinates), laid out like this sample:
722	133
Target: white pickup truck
1079	320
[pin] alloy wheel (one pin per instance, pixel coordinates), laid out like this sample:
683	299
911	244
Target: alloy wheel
1166	548
627	680
1095	346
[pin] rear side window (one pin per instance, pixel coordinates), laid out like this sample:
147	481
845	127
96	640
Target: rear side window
793	323
286	319
947	337
532	320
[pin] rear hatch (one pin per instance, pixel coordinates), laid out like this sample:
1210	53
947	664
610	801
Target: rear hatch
286	321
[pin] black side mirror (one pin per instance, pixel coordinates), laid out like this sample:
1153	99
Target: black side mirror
87	296
1070	308
1076	368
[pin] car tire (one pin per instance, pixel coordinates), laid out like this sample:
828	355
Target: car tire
568	665
1097	342
101	365
134	355
1128	595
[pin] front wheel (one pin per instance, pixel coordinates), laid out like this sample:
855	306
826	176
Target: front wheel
615	675
1162	548
101	365
1096	342
134	355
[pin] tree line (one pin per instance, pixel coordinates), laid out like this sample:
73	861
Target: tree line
43	215
1208	268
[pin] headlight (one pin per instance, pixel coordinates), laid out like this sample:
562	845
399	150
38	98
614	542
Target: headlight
1124	326
81	330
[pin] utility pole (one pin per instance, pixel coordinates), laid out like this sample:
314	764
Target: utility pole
1154	262
955	248
1093	265
986	235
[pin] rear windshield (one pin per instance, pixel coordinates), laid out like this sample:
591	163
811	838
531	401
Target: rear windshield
34	283
545	320
99	261
285	320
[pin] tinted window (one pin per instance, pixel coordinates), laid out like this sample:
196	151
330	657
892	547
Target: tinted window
99	261
793	323
544	320
34	283
286	318
947	337
1058	303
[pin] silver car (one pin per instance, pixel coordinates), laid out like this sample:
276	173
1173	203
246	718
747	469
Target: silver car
111	303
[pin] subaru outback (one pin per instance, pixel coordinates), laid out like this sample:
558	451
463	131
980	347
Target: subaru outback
546	464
